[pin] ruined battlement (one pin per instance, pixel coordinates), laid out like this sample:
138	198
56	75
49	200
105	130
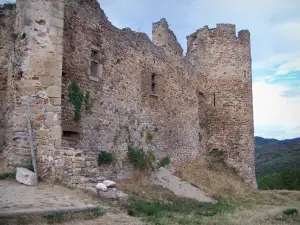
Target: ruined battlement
162	36
226	28
142	93
222	30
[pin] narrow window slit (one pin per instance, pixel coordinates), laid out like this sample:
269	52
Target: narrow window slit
214	99
153	83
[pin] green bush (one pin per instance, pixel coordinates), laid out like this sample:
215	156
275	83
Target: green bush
140	160
270	181
137	157
290	211
164	161
291	178
106	158
288	179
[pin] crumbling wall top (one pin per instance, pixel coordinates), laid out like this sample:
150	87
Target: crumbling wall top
226	28
162	22
164	37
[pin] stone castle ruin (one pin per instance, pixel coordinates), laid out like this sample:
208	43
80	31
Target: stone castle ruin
140	92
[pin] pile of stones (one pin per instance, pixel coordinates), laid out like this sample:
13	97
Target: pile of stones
107	189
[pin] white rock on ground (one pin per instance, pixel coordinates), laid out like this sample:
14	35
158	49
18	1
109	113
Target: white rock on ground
109	183
101	187
166	179
26	176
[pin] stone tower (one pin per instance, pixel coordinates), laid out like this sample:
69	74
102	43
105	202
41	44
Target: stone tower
223	62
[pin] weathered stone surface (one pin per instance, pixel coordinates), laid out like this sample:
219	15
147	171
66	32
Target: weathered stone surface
142	93
7	20
101	187
109	183
164	178
26	176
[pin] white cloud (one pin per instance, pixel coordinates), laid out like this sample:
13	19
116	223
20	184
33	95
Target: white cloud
288	67
290	30
271	62
275	116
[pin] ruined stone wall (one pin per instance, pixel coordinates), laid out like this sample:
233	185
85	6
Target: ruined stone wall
36	73
142	93
7	19
164	37
125	109
224	69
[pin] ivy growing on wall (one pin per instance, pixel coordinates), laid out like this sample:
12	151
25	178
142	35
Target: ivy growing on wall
76	98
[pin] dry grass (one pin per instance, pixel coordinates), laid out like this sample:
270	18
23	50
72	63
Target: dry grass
141	188
215	179
243	206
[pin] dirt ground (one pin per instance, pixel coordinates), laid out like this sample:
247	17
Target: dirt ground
17	197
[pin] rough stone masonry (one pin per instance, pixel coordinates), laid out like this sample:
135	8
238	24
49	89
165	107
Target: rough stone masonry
141	92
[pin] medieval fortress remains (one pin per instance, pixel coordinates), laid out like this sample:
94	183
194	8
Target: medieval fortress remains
186	105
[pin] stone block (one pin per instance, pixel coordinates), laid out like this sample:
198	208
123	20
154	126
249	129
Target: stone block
52	120
51	108
56	132
101	187
53	91
26	176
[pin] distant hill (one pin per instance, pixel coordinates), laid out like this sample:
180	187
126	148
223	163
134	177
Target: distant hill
272	155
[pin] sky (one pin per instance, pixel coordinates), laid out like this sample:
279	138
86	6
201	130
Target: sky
275	44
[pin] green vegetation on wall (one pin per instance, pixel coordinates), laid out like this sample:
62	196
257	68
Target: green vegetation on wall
76	98
139	159
164	161
106	158
142	160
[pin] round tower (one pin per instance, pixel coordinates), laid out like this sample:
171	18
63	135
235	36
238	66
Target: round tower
223	62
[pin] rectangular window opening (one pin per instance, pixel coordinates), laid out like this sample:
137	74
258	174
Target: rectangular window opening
95	66
153	83
71	136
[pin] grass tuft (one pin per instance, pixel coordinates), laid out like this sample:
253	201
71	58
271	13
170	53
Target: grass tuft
290	211
5	176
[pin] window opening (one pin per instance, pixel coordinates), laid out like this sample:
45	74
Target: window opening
95	66
71	136
153	83
214	99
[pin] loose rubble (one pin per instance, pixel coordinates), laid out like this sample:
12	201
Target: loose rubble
107	189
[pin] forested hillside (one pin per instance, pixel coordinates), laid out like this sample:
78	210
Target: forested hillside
273	156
